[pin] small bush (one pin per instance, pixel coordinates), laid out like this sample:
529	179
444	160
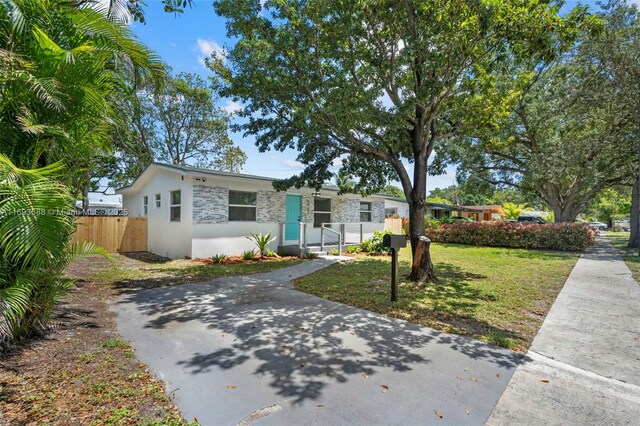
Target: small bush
248	254
353	249
218	258
334	252
374	244
553	236
261	241
311	255
271	253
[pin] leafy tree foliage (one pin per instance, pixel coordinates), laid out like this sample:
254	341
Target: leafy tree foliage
176	122
378	82
61	69
571	134
393	191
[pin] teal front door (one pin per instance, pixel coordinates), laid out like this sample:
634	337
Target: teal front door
293	212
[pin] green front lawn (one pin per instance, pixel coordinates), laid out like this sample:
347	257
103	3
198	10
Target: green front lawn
493	294
152	271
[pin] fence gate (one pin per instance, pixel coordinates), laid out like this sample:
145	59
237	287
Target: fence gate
393	225
113	233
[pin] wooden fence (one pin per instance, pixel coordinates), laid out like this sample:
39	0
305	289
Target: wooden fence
113	233
393	225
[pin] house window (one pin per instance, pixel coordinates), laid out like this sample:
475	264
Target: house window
365	212
321	211
390	211
145	205
175	206
242	206
158	201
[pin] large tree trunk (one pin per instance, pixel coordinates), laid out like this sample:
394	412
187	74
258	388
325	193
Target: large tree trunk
634	217
422	267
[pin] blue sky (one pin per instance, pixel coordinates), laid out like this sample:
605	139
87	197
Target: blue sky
184	40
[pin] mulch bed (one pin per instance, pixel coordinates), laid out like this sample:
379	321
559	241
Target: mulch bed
82	372
240	259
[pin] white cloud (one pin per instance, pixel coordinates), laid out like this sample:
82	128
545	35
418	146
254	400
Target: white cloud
337	162
292	164
207	48
232	107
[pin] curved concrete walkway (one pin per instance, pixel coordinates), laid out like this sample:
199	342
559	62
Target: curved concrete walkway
244	350
583	367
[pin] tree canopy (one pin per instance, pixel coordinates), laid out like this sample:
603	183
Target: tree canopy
379	83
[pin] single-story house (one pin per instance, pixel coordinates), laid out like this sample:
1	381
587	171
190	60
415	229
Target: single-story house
488	212
101	205
196	213
399	206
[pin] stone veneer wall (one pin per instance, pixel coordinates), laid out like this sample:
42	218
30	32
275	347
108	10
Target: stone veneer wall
345	210
377	211
271	207
307	208
210	204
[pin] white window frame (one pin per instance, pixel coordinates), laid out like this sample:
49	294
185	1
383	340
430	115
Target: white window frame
172	205
158	200
370	211
145	205
251	206
319	224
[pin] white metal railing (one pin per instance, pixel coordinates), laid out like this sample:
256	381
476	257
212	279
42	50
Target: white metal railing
326	231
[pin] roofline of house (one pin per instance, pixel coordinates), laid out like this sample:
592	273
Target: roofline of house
201	171
437	205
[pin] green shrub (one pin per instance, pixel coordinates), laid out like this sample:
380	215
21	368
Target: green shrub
374	244
218	258
249	254
261	241
271	253
553	236
35	248
353	249
334	252
311	255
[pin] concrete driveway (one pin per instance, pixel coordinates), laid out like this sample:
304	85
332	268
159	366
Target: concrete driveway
244	350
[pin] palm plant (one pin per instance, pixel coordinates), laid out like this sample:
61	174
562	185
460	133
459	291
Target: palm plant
62	68
262	241
35	229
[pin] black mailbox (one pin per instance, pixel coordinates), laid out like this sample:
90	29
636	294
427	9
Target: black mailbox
394	241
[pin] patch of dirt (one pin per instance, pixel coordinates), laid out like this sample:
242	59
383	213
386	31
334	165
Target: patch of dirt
81	372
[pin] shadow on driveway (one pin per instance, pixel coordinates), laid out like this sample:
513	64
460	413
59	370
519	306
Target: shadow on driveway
236	345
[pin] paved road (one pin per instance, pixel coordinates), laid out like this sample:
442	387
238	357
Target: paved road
583	367
244	350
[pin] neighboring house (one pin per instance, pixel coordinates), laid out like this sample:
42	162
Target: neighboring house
399	206
488	212
101	205
196	213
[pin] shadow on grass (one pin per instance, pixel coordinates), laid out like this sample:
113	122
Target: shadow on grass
168	276
146	257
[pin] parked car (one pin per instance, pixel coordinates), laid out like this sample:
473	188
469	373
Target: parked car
531	219
599	226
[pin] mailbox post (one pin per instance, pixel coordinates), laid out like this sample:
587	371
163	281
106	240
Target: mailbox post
395	243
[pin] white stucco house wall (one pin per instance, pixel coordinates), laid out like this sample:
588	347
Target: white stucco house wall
196	213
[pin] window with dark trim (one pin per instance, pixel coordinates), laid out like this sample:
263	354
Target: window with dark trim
321	211
365	212
158	201
145	205
242	206
175	206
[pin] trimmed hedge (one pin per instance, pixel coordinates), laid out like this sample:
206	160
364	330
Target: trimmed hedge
552	236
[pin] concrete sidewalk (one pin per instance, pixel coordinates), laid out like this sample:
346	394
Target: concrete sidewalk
583	367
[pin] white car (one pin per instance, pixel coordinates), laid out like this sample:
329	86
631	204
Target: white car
599	226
